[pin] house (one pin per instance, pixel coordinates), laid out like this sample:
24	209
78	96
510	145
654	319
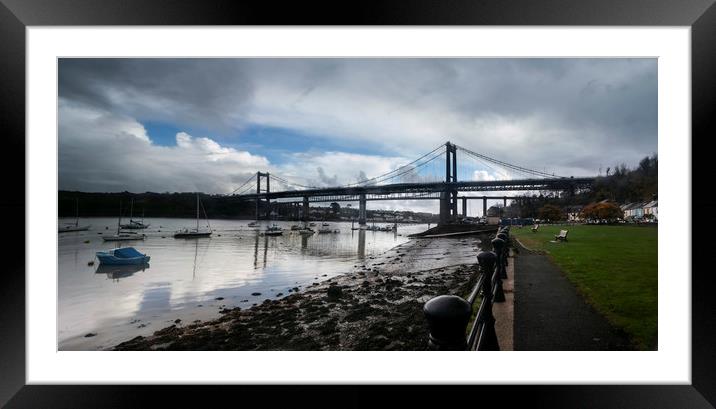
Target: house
652	208
573	212
634	211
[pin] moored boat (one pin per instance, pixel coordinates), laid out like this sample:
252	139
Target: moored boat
134	224
124	236
273	230
76	226
187	233
122	256
72	227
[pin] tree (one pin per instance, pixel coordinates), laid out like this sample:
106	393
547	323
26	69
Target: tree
335	208
551	212
602	211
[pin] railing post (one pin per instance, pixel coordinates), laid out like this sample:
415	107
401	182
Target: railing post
505	236
447	317
498	246
488	340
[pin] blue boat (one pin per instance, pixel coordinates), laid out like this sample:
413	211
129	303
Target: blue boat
122	256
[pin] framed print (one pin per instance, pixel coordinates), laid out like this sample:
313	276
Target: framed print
247	204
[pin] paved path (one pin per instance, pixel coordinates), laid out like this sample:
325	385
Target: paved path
551	316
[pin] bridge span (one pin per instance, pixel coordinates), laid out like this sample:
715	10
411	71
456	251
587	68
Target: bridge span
446	192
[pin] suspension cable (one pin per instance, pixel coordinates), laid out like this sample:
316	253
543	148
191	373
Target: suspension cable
360	182
247	181
508	165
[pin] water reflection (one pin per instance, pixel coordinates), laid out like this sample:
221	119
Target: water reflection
256	249
155	300
361	244
116	272
231	266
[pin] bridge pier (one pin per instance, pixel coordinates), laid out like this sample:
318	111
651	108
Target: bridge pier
361	210
258	193
484	206
444	208
305	208
268	201
504	202
464	206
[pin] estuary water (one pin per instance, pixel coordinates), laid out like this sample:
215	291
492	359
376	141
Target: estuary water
194	279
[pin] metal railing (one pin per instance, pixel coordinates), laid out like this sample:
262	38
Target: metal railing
448	316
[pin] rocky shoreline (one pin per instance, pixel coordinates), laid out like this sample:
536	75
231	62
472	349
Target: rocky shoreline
377	306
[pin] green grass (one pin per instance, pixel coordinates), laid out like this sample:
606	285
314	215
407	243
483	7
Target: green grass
615	269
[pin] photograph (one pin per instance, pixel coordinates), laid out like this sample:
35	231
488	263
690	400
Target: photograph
228	200
357	204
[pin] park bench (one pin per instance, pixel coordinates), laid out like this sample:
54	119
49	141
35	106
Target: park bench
562	236
534	228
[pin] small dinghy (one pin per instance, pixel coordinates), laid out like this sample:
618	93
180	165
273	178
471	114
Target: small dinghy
122	257
273	230
124	236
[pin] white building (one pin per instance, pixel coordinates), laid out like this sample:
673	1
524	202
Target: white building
652	208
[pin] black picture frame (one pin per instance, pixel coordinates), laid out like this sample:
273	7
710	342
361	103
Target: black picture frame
16	15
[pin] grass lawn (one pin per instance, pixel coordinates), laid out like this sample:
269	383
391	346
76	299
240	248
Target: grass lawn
614	267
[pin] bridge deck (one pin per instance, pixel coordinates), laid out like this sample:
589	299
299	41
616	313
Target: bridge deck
427	190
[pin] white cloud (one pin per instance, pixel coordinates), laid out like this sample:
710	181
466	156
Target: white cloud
100	151
335	168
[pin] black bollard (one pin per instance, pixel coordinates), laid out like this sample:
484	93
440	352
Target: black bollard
499	247
501	256
447	317
488	340
506	237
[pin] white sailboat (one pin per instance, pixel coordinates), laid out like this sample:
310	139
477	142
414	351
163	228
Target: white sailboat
187	233
123	235
273	230
134	224
76	226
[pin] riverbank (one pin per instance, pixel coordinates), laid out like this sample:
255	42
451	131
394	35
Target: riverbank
615	268
377	306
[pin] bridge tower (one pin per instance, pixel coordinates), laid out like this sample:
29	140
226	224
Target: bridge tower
267	211
448	198
361	210
305	211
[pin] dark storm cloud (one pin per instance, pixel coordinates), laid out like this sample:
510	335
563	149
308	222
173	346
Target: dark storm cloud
204	92
569	116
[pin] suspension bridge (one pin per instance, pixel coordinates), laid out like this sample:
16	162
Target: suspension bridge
413	181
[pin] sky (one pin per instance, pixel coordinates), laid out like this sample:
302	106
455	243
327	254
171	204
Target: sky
185	125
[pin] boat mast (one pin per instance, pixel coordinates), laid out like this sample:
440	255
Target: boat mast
119	221
77	212
131	211
197	212
208	225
